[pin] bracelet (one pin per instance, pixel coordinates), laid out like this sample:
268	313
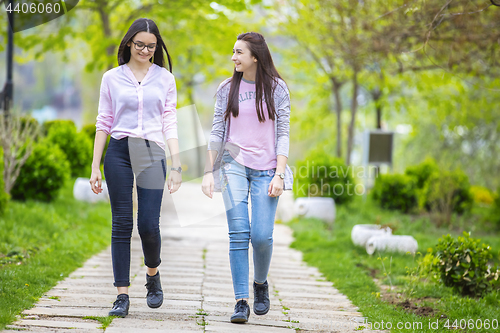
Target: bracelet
210	171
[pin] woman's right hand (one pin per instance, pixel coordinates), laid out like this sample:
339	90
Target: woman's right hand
96	180
207	185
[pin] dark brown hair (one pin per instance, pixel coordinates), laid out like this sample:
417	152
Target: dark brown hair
266	79
146	25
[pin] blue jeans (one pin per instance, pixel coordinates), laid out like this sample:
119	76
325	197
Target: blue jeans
237	182
145	159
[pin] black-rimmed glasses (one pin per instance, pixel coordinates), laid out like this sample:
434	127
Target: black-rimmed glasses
139	46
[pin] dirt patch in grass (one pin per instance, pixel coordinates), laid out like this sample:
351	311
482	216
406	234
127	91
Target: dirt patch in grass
423	311
411	306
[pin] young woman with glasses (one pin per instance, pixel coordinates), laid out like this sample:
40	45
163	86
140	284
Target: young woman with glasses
248	151
137	108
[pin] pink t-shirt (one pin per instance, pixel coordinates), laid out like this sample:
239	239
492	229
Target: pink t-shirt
145	110
250	142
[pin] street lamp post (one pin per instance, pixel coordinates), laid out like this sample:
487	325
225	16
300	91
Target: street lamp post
8	90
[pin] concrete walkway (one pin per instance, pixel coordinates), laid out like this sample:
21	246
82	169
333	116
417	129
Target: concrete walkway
197	284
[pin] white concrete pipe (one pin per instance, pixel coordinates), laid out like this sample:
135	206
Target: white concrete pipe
83	192
321	208
360	233
402	244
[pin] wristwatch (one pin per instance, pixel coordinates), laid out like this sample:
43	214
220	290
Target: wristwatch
179	169
281	175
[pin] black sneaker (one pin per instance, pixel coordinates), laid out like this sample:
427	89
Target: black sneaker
120	306
241	312
154	297
261	301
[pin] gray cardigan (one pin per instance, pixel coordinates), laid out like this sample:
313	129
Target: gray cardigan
220	128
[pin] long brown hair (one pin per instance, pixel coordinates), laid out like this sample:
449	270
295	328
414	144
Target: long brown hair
146	25
266	79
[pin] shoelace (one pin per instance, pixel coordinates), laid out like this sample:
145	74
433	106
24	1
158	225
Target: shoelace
152	287
261	295
240	306
119	302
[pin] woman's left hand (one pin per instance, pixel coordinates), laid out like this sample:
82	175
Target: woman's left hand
275	187
174	181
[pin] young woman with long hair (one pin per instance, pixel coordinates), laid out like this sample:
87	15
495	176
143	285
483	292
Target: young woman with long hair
247	155
137	108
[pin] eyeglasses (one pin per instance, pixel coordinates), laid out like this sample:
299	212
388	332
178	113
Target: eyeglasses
139	46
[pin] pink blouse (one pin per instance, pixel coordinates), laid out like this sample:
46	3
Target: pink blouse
254	140
145	110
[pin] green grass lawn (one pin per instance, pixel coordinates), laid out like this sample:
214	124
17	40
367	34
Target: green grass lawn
363	278
42	243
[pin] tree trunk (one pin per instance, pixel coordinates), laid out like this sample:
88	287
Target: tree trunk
336	85
106	28
376	95
354	108
379	116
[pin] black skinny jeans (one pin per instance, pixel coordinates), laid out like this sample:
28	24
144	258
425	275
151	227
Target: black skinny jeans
145	159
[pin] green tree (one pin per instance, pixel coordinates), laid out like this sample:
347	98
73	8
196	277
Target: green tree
345	39
455	122
197	33
362	43
100	25
458	36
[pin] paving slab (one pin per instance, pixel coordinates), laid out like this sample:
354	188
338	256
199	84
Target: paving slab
320	305
15	328
107	302
149	330
197	283
243	328
66	312
179	324
260	320
57	324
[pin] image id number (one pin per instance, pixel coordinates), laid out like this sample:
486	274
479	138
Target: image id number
472	324
33	8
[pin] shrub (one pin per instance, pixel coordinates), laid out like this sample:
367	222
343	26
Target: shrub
447	192
29	121
4	197
426	265
422	171
322	175
481	195
75	145
89	130
495	209
423	270
396	192
57	123
463	265
43	174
